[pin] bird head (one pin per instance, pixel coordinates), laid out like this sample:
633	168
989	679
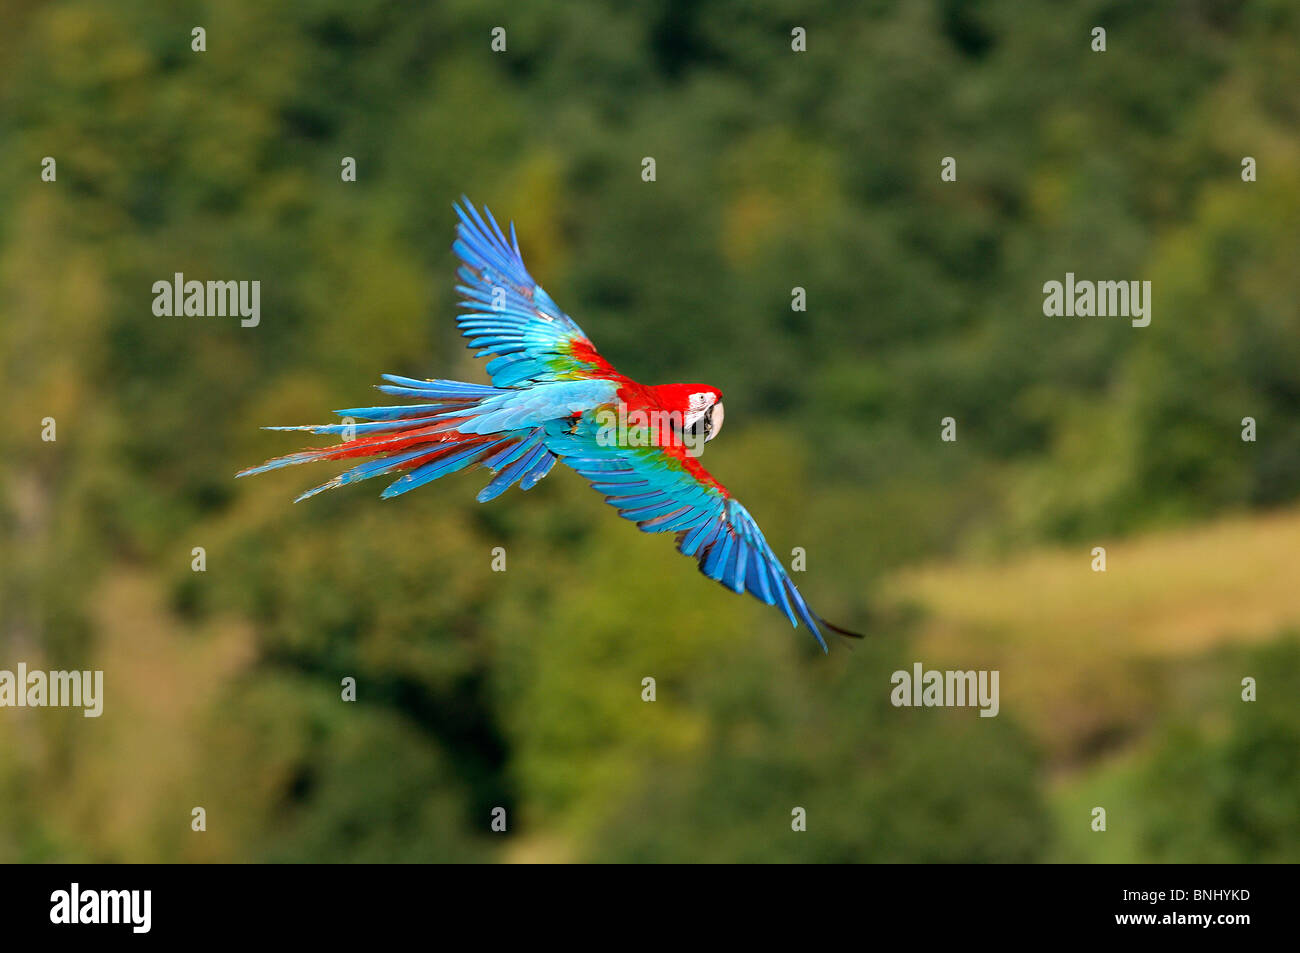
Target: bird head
704	414
698	407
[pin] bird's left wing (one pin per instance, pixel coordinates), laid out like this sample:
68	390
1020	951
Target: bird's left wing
663	490
508	315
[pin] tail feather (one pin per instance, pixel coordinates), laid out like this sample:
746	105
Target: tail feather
367	446
380	426
439	465
374	468
425	441
443	389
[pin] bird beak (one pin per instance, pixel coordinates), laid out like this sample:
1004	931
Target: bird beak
716	416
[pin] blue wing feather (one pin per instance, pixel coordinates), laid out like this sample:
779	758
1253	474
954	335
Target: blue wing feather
506	314
660	494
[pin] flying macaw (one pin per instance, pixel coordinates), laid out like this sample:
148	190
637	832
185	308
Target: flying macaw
553	397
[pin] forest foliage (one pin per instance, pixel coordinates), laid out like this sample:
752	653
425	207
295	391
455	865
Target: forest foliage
775	169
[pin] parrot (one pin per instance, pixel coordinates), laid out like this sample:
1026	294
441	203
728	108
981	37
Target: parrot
553	397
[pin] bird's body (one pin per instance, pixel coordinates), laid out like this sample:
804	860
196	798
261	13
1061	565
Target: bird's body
553	397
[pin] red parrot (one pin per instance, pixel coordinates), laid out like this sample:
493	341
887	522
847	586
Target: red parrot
553	397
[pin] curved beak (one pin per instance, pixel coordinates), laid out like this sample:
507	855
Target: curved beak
715	418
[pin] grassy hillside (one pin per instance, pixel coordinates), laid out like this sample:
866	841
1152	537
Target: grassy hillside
1083	653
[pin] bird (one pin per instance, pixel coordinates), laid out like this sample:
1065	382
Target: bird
553	397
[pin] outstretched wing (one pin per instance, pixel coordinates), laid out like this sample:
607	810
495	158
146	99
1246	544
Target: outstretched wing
508	315
663	490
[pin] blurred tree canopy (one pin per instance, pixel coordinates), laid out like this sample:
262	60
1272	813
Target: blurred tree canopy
775	170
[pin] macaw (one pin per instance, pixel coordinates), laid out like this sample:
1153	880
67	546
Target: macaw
553	397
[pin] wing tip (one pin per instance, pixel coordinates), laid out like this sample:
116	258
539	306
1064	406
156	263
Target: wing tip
840	631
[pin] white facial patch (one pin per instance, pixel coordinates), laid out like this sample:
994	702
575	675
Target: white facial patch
702	421
697	404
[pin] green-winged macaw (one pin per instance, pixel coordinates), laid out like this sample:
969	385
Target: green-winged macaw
553	397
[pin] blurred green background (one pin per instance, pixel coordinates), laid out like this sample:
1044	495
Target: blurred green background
775	169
